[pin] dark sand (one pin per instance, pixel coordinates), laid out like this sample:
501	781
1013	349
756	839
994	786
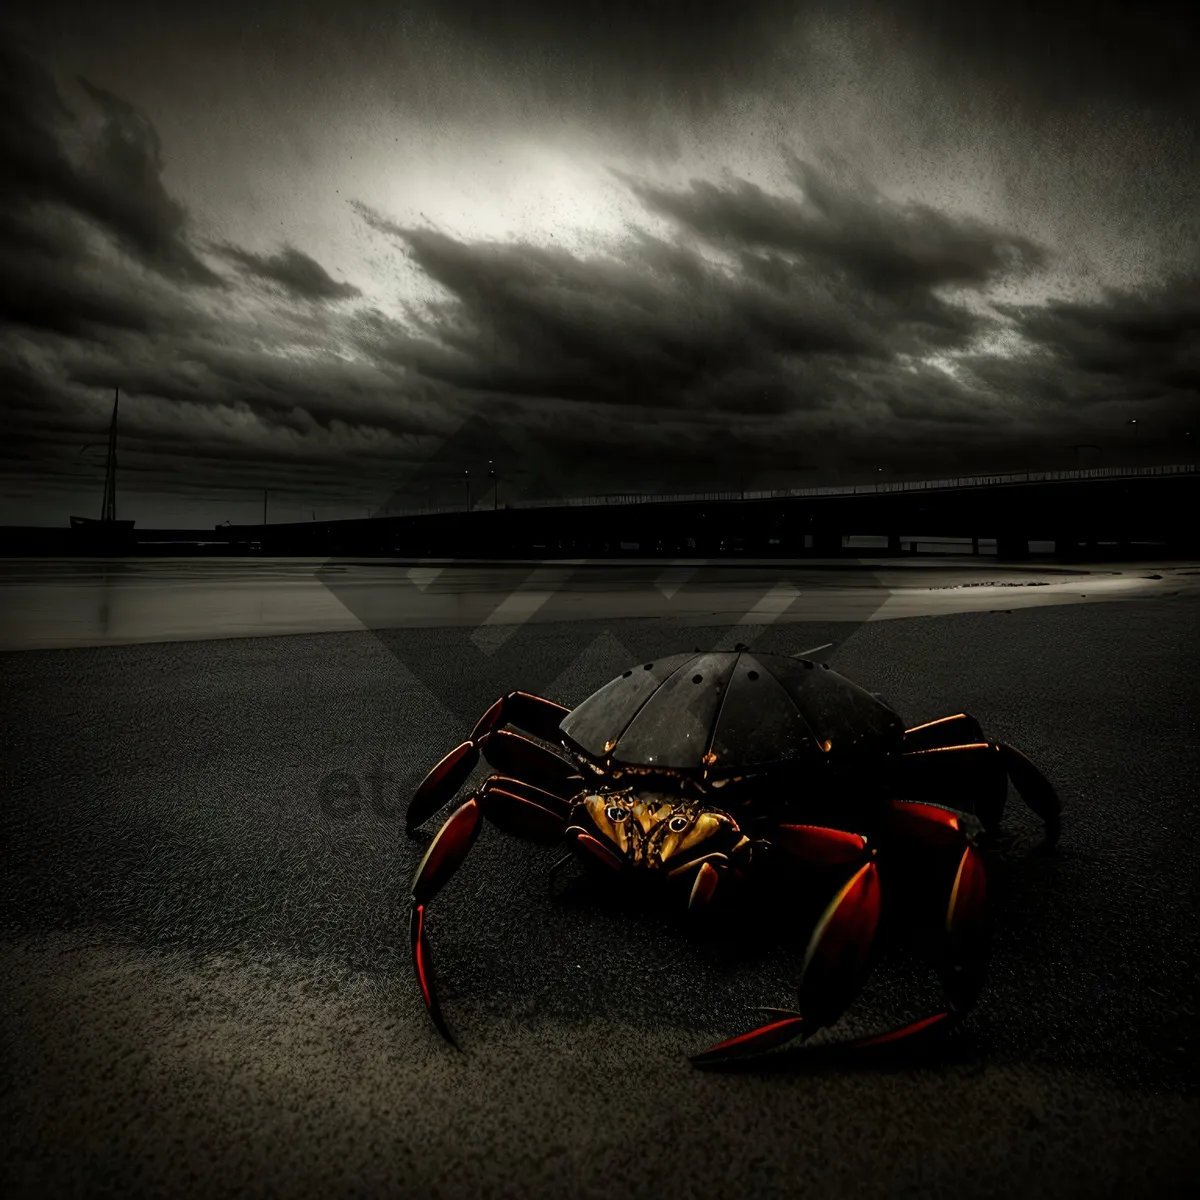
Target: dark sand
208	990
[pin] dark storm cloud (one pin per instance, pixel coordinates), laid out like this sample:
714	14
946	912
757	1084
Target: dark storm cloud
829	294
293	270
100	286
662	328
202	396
30	398
806	345
115	182
31	113
52	280
885	246
220	426
237	384
272	392
1149	335
33	297
41	288
817	336
46	235
1136	349
122	190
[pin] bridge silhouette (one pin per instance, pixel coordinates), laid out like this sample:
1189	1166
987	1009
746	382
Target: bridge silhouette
1077	511
1090	512
857	489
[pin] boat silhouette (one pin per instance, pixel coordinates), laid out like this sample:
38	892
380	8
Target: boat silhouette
106	526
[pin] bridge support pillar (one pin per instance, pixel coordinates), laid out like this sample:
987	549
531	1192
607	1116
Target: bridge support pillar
1012	547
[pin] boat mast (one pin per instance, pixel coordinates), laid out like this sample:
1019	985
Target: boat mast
109	510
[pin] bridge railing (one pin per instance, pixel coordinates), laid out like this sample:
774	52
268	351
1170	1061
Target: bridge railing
867	489
856	489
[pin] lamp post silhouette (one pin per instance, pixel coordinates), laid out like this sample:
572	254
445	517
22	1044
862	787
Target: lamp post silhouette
495	485
467	484
1133	422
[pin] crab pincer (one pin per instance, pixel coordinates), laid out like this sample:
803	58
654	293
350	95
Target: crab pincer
836	958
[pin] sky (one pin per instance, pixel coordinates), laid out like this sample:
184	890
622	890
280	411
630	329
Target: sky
345	252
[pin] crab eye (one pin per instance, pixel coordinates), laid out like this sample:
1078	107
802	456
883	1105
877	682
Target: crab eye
677	824
617	814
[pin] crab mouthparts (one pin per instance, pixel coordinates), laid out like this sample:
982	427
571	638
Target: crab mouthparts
643	861
652	835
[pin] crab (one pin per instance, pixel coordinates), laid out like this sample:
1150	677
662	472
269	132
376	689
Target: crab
697	771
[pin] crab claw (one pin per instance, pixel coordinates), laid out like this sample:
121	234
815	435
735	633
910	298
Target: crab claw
765	1037
833	968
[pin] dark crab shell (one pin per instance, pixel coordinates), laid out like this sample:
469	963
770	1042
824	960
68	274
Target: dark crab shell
727	713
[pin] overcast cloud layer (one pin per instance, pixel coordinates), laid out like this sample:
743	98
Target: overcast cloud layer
355	252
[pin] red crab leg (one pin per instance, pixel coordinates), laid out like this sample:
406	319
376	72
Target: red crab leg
513	806
953	835
934	825
515	755
765	1037
837	954
703	887
819	845
591	847
964	924
910	1035
536	714
539	716
441	783
836	957
519	808
981	769
838	951
945	731
449	847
